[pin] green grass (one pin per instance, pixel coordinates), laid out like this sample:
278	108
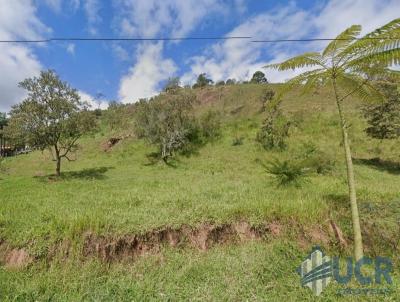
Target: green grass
120	192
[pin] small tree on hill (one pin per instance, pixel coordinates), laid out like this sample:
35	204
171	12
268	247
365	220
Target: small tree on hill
384	118
3	119
172	84
51	117
345	64
259	78
230	82
275	129
166	121
202	81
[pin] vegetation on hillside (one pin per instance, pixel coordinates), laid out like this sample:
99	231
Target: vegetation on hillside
264	182
51	117
346	64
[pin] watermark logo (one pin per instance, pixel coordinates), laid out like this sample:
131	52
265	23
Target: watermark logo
318	270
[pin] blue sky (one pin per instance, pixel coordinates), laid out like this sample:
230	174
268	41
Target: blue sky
127	71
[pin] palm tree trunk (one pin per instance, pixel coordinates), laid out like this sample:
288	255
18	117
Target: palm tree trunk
358	246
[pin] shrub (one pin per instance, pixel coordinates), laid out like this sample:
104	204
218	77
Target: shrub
266	97
287	172
274	131
167	121
384	119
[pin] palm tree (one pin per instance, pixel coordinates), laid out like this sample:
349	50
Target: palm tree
347	64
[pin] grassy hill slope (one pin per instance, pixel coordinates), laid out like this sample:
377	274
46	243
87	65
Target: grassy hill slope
120	192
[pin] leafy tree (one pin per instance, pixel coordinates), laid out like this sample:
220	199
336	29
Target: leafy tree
230	82
172	84
118	116
167	121
384	118
3	119
51	117
259	78
3	122
345	65
275	128
220	83
202	81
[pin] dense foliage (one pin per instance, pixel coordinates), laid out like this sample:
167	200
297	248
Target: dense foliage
384	118
167	121
51	117
259	78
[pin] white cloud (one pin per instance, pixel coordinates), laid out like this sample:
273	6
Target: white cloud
18	20
71	48
144	77
93	102
173	17
92	10
239	59
153	18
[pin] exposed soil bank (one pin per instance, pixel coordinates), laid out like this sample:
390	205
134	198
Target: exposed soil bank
128	247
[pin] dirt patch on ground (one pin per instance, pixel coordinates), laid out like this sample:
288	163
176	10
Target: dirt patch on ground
202	238
111	248
13	258
112	141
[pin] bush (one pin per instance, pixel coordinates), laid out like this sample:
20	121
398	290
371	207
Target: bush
265	99
384	119
167	121
274	131
287	172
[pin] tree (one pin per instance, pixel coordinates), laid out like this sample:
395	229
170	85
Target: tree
51	117
230	82
3	123
259	78
3	119
275	129
167	121
345	64
384	118
172	84
202	81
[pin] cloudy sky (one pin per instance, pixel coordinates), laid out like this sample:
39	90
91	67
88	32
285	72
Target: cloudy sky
127	71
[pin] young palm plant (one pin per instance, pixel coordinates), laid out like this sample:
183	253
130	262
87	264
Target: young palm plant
347	64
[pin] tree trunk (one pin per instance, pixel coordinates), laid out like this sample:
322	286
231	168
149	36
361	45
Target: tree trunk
58	160
358	246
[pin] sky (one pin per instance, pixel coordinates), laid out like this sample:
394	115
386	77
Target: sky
127	71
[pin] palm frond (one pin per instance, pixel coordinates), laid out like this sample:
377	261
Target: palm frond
342	40
309	59
306	81
384	38
353	84
384	58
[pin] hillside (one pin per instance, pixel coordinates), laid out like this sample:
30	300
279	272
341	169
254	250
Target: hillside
213	225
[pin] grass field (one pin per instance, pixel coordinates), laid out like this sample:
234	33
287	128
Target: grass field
120	192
